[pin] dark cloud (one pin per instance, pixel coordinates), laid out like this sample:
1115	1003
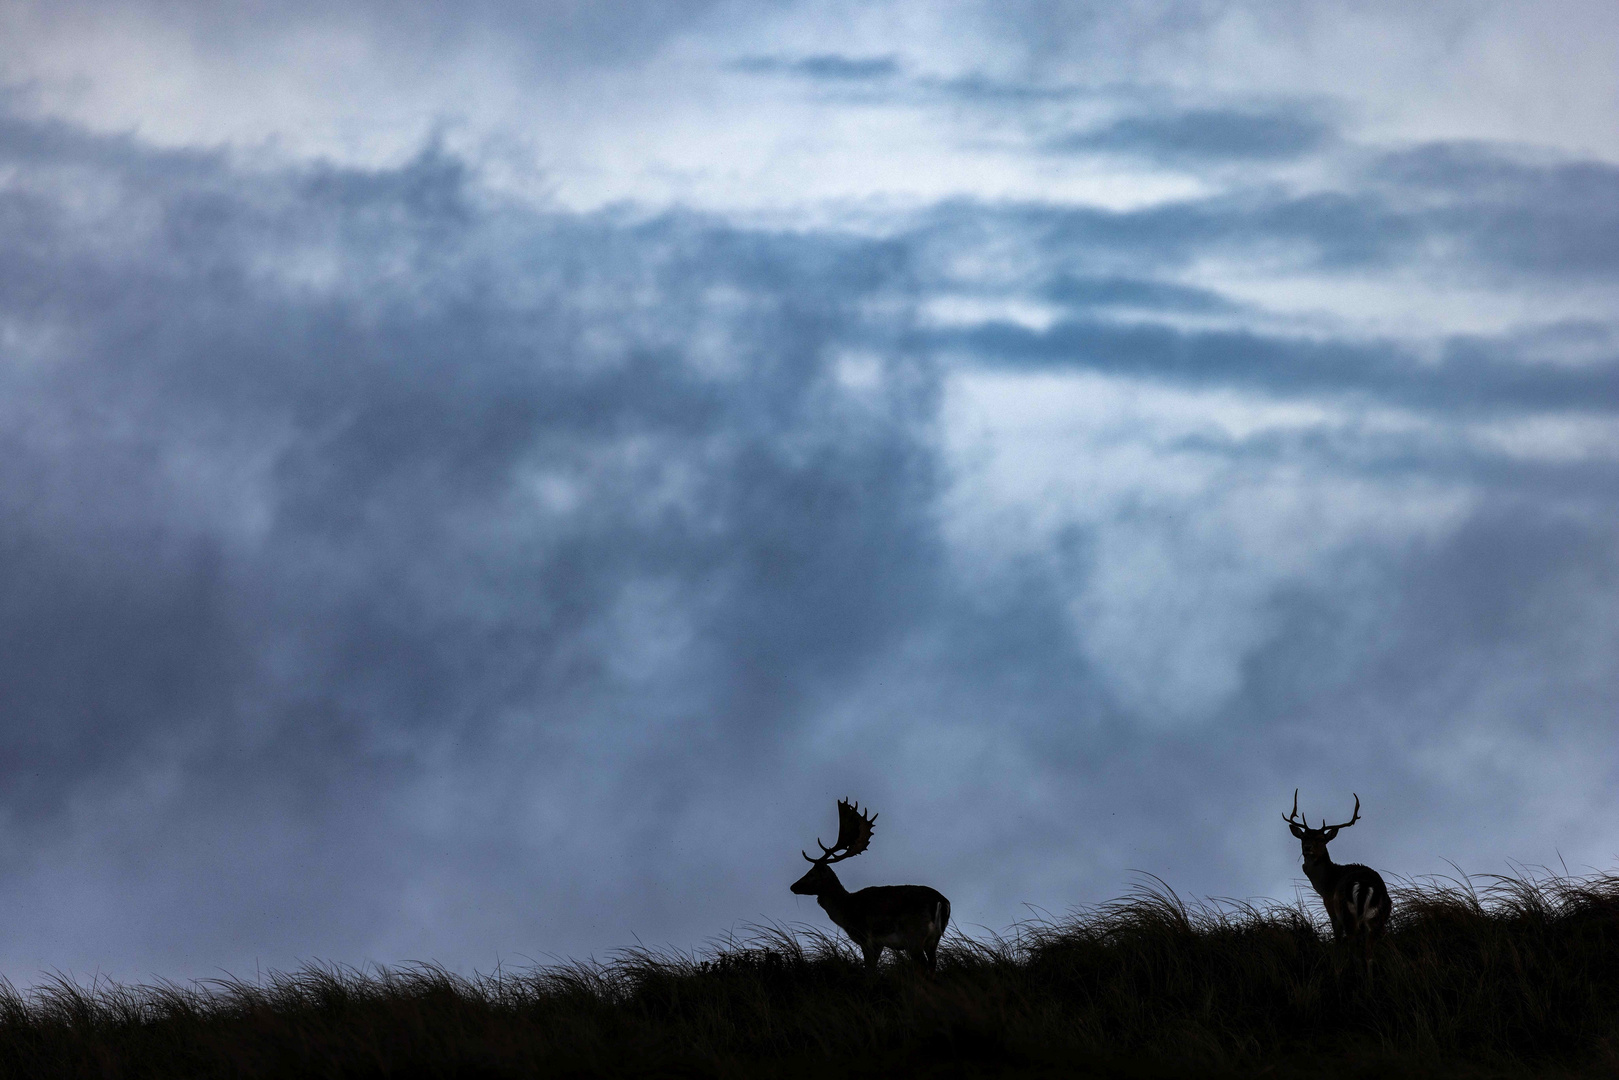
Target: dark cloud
1470	375
1051	33
1204	135
983	89
1334	231
307	533
1117	292
1461	213
390	571
553	34
828	66
1553	219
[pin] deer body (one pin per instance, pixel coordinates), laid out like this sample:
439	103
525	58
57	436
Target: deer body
906	918
1355	897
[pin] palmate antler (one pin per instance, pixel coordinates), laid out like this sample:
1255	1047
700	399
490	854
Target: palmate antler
1301	823
854	835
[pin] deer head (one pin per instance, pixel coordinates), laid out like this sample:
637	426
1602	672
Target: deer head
1315	841
854	836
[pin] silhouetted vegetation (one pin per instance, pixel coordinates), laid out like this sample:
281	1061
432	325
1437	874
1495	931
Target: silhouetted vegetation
1484	977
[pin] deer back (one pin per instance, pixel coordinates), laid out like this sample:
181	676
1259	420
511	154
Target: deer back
898	916
1361	898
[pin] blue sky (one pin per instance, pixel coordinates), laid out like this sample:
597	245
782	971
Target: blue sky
480	487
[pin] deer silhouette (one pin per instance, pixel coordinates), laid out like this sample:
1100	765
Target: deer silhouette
1356	899
905	918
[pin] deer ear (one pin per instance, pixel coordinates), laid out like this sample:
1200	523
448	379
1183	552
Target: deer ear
1297	832
1327	839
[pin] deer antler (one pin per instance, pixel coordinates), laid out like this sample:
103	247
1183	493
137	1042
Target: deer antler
854	834
1296	823
1352	819
1291	818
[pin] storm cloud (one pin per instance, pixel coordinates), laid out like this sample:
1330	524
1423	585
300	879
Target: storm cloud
396	563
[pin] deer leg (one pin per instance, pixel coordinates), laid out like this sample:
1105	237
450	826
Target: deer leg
1336	918
932	955
874	953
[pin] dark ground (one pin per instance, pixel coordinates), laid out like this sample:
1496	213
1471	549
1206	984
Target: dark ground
1508	977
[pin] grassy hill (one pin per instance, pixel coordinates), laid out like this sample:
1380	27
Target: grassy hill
1511	976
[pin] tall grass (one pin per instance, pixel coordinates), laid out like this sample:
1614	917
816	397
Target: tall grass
1499	976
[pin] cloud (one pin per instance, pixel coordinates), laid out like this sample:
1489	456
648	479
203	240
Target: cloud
1547	220
829	66
553	33
1204	134
316	477
1115	292
1468	376
1554	218
400	569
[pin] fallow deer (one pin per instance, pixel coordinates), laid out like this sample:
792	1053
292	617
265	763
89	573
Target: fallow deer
905	918
1356	899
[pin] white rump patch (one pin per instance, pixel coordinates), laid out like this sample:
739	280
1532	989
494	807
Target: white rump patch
1363	895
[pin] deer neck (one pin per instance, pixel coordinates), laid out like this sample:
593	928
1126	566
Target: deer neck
1322	872
833	899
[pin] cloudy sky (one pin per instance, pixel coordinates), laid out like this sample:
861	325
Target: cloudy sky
480	486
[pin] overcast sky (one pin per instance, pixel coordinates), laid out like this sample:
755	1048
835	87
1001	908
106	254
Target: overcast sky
480	486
